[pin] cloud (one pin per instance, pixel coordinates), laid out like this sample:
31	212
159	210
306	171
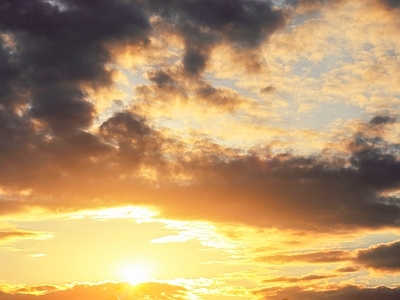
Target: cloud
344	293
9	235
63	109
226	114
37	255
267	89
349	269
16	233
318	4
391	3
330	256
381	257
378	120
204	24
327	194
153	290
48	59
297	279
170	86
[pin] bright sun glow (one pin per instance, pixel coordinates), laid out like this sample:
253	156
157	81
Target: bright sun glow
135	274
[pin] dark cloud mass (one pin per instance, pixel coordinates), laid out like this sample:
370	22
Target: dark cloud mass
321	194
10	234
267	89
244	22
63	108
320	4
381	257
378	120
391	3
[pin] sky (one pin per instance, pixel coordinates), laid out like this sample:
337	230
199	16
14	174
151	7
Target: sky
199	149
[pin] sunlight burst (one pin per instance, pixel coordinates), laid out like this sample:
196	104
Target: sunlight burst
135	274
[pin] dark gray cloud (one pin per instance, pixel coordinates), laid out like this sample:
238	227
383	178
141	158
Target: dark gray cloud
171	84
162	78
249	189
391	3
299	192
381	257
48	53
205	23
194	61
378	120
284	191
63	108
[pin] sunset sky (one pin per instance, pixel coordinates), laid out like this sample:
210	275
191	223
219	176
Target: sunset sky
199	149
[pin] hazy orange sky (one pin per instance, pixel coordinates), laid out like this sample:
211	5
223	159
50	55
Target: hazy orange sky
199	149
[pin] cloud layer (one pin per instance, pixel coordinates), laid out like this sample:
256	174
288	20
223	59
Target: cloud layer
98	291
47	114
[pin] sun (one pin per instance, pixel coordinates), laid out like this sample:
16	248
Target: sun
135	274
